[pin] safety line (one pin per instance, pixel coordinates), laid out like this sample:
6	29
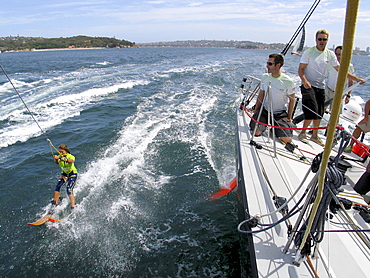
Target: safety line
291	128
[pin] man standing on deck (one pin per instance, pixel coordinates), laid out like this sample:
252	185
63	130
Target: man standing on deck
313	69
331	82
281	89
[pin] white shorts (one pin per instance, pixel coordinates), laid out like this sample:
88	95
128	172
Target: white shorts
365	126
329	93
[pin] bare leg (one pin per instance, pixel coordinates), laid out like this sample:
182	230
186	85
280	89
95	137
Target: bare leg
258	133
316	123
56	196
72	200
286	139
356	133
306	124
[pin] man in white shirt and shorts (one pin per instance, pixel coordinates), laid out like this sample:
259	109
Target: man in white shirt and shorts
281	89
313	69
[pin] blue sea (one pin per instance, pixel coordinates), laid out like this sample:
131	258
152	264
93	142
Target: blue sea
153	133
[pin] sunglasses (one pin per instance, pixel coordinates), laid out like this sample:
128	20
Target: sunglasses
322	39
270	64
338	54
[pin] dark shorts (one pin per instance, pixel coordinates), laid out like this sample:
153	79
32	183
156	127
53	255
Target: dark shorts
280	119
363	184
313	100
70	179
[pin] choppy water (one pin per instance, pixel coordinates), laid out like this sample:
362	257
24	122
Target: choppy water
152	130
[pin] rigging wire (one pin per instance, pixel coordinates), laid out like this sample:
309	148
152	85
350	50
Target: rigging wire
29	111
305	19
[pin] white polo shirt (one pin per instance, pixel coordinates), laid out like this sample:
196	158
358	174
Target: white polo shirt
281	88
318	65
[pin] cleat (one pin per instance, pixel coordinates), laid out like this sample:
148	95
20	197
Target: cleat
290	147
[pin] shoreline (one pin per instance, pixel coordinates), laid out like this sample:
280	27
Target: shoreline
69	48
57	49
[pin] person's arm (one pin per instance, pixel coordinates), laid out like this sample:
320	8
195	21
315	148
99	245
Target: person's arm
68	160
291	106
302	75
64	158
259	101
367	110
348	96
56	159
350	76
350	83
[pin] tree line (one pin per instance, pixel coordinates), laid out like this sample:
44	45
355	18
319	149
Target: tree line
214	43
29	43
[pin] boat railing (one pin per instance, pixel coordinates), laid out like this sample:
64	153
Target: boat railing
250	89
270	118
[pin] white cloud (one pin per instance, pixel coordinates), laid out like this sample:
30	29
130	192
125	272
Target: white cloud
262	20
195	4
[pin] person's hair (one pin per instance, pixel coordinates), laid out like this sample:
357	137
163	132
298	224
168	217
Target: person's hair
322	31
278	58
64	147
338	47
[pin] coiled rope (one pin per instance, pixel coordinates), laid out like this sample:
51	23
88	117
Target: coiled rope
334	180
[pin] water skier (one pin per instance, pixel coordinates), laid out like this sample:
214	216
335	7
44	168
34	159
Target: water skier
65	160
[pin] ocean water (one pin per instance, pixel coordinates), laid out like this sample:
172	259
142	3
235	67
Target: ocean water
153	132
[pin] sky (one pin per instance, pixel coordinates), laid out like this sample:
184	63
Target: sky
139	21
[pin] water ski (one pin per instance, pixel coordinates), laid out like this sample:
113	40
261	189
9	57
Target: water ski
42	220
47	217
55	220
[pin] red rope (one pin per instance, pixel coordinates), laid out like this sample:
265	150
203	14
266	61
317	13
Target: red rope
366	150
283	127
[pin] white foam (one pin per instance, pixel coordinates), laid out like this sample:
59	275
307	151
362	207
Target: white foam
125	160
52	112
105	63
122	204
